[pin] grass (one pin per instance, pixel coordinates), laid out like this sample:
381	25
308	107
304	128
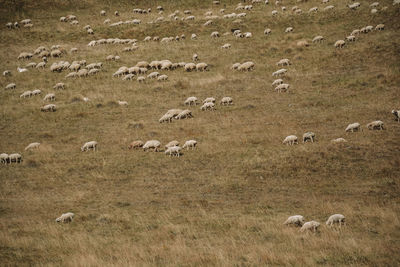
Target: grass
223	204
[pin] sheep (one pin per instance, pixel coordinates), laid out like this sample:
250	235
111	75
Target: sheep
49	97
102	13
396	114
339	140
128	77
201	66
310	226
6	73
191	100
339	44
55	53
48	108
282	87
152	144
354	5
89	145
59	86
274	12
355	32
336	219
226	46
41	65
208	106
235	66
166	118
153	75
4	158
289	29
194	36
141	79
214	34
313	9
279	72
11	86
267	31
226	101
172	143
30	65
26	94
277	82
283	62
318	39
162	77
296	220
93	71
247	66
185	114
116	13
209	99
25	55
351	38
309	136
190	144
303	43
375	125
20	70
290	140
82	73
195	57
65	217
136	144
380	27
122	103
190	66
15	157
173	151
32	146
353	127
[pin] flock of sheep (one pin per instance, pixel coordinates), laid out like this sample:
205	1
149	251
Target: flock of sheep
80	69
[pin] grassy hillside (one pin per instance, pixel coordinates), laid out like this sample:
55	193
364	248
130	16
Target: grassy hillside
224	203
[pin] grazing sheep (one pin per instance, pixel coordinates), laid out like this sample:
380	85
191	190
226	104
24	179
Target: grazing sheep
274	12
355	32
15	157
375	125
289	29
20	70
189	66
190	144
351	38
128	77
318	39
41	65
226	46
49	97
32	146
191	100
153	75
201	66
26	94
209	99
122	103
65	217
102	13
354	5
313	9
59	86
185	114
339	140
136	144
208	106
283	62
152	144
36	92
303	43
6	73
162	77
166	118
141	79
279	72
277	82
173	151
310	226
353	127
336	219
380	27
194	36
282	87
247	66
296	220
4	158
214	34
396	114
195	57
48	108
267	31
172	143
226	101
11	86
290	140
309	136
235	66
340	43
89	145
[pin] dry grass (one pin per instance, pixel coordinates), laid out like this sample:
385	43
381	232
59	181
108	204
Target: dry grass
223	204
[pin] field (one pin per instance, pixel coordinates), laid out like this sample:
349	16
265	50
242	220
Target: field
224	203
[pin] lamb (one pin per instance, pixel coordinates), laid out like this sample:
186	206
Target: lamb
282	87
11	86
247	66
4	158
340	43
309	136
65	217
32	146
49	108
49	97
339	140
318	39
226	101
190	144
290	140
375	125
136	144
310	226
283	62
172	143
279	72
185	114
15	157
336	219
191	100
396	114
152	144
162	78
296	220
59	86
26	94
277	82
173	151
208	106
89	145
201	66
353	127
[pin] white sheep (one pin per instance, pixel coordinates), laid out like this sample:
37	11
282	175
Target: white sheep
283	62
235	66
11	86
339	140
162	77
89	145
214	34
279	72
309	136
336	219
190	144
226	101
247	66
102	13
173	151
153	75
380	27
6	73
208	106
152	144
194	36
201	66
353	127
141	79
26	94
185	114
49	97
282	87
396	114
290	140
66	217
189	66
172	143
277	82
310	226
191	100
166	118
209	99
122	103
4	158
351	38
32	146
226	46
59	86
375	125
354	5
288	29
296	220
49	108
318	39
15	157
339	43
